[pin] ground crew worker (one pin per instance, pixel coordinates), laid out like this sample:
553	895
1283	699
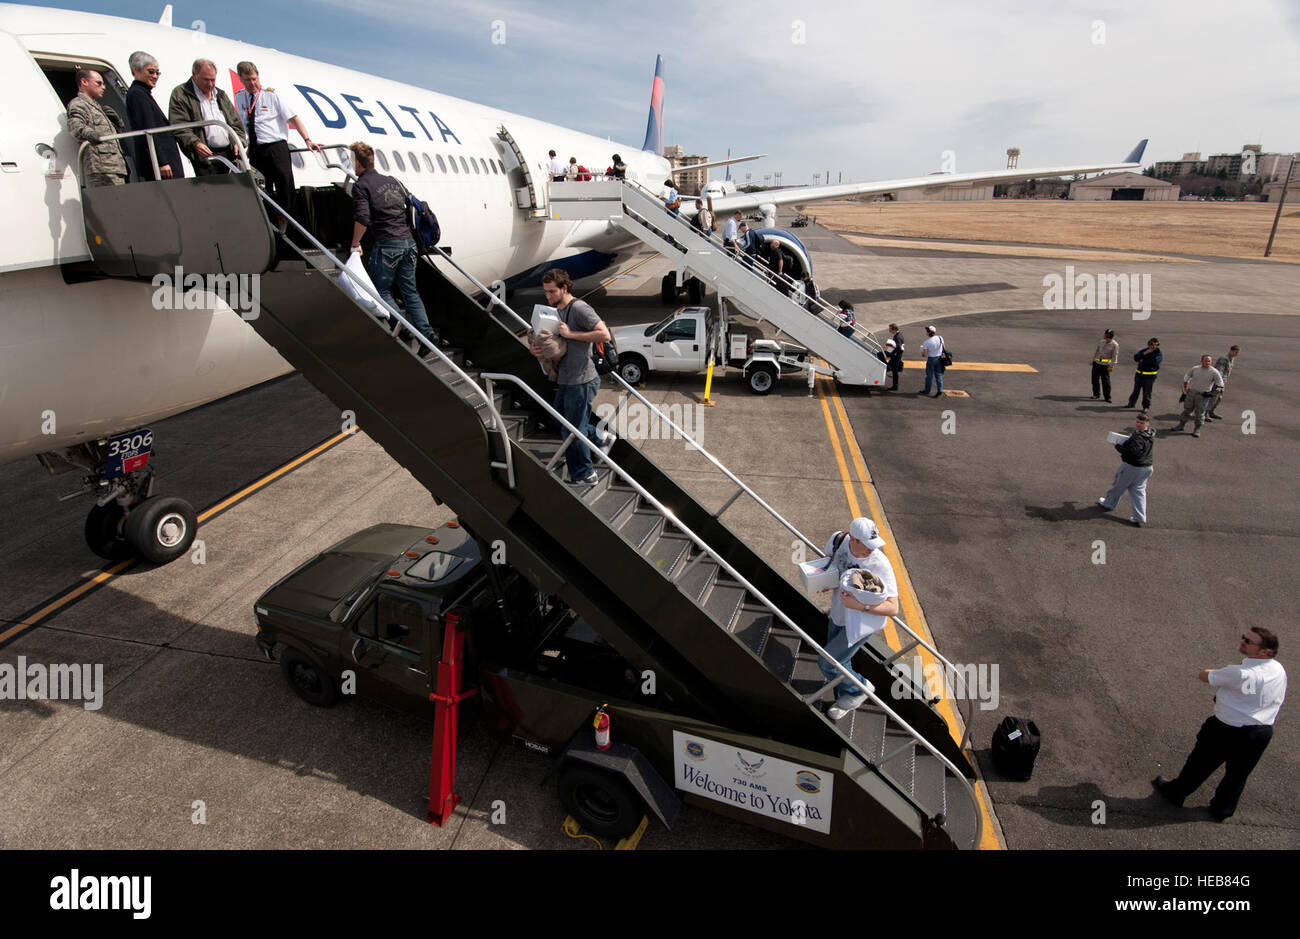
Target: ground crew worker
1200	385
1136	454
1148	367
1103	363
1224	364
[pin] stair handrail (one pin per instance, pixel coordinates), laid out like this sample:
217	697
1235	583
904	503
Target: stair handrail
148	133
667	513
498	424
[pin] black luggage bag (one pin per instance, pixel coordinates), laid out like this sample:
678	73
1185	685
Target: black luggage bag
1015	747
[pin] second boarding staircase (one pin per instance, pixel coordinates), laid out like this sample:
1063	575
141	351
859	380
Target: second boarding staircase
658	576
855	359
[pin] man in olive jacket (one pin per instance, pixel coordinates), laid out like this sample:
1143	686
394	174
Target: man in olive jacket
199	99
90	120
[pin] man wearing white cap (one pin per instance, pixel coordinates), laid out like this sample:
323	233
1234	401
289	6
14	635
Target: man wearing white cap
857	549
932	349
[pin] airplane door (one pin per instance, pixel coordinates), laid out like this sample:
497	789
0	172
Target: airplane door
678	347
528	179
37	156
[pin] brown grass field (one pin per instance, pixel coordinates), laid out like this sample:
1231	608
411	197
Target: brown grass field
1218	229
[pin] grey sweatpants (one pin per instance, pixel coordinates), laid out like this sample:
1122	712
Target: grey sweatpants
1132	479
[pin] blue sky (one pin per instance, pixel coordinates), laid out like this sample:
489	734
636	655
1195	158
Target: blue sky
878	90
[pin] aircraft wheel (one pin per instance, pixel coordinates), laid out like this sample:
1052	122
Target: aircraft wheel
695	290
104	532
161	528
761	379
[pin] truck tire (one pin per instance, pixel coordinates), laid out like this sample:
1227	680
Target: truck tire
307	678
161	528
695	290
603	803
668	289
631	368
761	378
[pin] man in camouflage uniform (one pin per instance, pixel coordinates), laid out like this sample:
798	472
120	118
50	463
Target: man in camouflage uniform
89	119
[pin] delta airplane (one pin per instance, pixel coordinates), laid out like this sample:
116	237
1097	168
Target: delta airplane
85	358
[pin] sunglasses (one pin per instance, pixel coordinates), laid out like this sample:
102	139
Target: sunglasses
153	71
1249	642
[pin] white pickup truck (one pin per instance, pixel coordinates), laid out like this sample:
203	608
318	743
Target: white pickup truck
683	340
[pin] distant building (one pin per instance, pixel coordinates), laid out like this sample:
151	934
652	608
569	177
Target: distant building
692	182
1191	164
1273	166
1123	186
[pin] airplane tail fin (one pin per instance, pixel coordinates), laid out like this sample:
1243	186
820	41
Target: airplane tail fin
654	128
1136	155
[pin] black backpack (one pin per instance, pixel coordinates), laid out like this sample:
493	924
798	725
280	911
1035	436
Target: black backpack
424	224
604	355
1015	747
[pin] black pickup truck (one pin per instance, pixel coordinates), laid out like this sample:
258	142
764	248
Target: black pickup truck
367	616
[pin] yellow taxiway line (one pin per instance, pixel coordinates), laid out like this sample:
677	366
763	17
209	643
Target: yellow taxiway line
911	609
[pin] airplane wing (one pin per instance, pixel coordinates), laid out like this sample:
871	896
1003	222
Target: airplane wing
808	194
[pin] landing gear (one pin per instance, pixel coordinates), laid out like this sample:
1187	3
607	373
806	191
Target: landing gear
127	520
668	289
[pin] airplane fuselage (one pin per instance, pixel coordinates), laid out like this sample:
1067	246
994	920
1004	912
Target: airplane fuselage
81	360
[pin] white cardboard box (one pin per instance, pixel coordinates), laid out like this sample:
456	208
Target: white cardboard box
1113	437
545	319
816	577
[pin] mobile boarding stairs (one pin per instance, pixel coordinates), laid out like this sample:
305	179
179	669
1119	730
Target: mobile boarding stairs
855	359
733	644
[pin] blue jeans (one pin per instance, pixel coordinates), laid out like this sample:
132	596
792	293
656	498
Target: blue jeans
574	404
933	370
837	644
395	260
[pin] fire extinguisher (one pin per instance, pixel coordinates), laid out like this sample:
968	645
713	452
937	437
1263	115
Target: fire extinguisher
601	723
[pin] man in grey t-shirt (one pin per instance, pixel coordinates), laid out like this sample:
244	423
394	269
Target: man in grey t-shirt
577	380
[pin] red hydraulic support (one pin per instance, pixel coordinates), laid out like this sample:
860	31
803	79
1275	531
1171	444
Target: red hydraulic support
446	698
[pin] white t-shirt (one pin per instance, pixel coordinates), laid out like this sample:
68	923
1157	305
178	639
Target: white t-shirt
729	229
932	347
669	195
844	560
557	168
1249	693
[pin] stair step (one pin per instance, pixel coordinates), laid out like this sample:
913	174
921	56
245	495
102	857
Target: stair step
753	623
613	503
780	650
695	579
724	600
640	526
928	776
901	768
541	447
668	551
959	810
868	731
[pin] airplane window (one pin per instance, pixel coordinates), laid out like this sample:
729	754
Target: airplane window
503	168
441	163
397	159
454	167
298	160
381	160
493	164
464	164
415	161
474	162
428	163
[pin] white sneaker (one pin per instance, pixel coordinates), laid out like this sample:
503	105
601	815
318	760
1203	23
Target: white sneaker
843	706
